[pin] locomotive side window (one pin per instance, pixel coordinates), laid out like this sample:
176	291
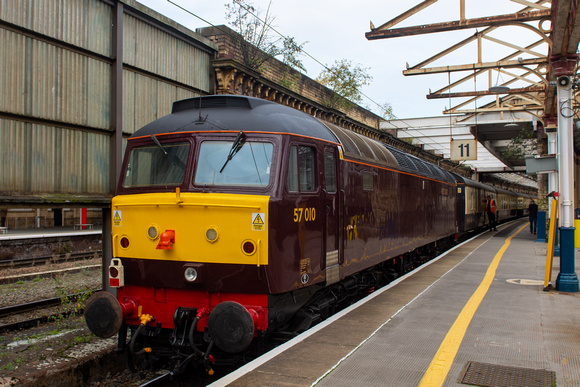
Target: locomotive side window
249	166
156	165
329	172
301	169
368	184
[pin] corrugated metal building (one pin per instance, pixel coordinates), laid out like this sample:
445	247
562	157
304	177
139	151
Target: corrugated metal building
77	77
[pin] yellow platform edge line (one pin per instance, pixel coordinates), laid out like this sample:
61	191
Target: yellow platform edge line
443	359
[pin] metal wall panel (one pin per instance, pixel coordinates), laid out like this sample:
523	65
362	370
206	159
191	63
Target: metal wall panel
82	23
48	82
153	50
12	156
66	86
146	99
12	72
46	159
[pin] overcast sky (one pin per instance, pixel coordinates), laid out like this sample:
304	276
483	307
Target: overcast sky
335	30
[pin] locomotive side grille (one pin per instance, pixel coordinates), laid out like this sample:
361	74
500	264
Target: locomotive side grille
422	166
403	159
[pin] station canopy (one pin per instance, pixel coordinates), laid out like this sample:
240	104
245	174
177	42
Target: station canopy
492	134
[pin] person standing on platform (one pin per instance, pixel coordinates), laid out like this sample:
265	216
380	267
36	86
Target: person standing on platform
3	215
533	214
490	209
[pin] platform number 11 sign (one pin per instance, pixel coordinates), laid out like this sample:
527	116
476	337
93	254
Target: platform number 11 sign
463	150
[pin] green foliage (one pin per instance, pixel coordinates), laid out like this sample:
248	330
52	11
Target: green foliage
522	145
346	80
62	249
290	52
82	339
256	39
387	111
8	367
289	80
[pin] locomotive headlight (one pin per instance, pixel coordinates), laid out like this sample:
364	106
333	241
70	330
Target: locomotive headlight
153	232
211	234
190	274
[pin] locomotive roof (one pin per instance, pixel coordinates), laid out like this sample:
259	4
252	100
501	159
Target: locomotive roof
235	113
242	113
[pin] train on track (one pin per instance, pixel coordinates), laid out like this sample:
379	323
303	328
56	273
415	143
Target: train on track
238	222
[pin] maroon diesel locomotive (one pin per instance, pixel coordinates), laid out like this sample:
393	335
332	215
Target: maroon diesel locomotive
238	221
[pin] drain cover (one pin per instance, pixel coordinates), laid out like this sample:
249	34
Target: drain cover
488	375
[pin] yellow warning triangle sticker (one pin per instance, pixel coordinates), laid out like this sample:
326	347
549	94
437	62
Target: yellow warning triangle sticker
116	217
258	220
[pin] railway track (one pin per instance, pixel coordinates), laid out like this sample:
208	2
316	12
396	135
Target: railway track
36	305
48	259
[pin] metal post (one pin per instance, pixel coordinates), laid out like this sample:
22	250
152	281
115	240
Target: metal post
552	176
567	280
107	249
117	96
541	228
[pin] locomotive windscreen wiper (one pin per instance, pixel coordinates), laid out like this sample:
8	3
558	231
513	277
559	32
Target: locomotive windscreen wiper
178	163
238	143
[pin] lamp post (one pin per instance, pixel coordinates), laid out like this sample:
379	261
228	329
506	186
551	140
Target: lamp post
567	280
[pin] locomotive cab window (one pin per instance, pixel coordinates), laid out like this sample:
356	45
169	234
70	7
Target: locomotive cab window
156	165
227	163
301	169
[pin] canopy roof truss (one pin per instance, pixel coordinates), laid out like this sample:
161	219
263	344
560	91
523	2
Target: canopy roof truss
526	66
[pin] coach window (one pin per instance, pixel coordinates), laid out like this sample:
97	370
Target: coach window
301	169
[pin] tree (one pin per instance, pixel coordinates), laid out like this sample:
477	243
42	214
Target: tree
345	80
257	43
387	111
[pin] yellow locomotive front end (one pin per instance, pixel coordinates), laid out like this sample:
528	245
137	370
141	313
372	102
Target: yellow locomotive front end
191	227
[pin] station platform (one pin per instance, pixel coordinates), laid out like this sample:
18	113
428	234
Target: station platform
47	232
477	315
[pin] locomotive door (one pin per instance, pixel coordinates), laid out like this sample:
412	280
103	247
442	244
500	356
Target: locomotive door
332	209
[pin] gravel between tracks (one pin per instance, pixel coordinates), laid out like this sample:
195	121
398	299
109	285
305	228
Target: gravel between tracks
56	285
34	356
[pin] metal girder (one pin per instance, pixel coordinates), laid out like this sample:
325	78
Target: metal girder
477	66
491	21
530	89
534	69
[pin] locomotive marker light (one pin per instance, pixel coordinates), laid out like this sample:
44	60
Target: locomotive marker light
166	239
153	232
248	247
211	235
124	242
